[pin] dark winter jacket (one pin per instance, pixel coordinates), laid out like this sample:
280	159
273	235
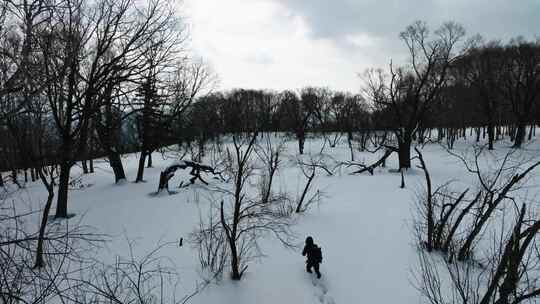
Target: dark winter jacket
313	253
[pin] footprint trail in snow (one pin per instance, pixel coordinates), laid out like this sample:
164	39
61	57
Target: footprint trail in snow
321	291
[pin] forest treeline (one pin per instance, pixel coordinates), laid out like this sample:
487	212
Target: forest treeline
490	91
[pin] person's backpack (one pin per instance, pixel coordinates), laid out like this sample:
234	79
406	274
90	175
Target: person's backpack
317	254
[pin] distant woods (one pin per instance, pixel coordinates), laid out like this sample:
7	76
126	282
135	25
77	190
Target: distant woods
452	88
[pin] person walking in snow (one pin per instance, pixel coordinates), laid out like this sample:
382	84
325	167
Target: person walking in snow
314	256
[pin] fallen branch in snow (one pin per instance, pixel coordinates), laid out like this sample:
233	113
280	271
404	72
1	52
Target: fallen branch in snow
196	170
370	168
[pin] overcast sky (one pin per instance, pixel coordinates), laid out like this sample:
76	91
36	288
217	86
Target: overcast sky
280	44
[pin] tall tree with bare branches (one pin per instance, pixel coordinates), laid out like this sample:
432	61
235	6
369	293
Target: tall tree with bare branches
410	91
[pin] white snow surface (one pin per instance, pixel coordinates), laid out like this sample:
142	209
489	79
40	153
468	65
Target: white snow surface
364	226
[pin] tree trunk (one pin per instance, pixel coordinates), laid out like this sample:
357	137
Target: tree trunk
511	132
84	166
230	233
63	188
39	251
520	135
235	264
51	175
306	188
491	135
421	133
140	170
201	142
116	164
91	141
349	141
404	153
149	160
301	141
429	201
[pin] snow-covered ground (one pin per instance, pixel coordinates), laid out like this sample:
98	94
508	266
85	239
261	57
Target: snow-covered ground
363	224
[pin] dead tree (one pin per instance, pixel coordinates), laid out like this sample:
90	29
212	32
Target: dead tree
429	203
495	190
510	276
195	172
308	168
370	168
436	210
379	142
309	173
444	214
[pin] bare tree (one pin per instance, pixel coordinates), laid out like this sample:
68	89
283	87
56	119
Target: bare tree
243	218
210	241
298	113
270	155
481	68
309	166
164	101
521	83
409	92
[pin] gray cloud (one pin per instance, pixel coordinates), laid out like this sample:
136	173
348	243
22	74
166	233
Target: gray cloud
493	19
283	44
